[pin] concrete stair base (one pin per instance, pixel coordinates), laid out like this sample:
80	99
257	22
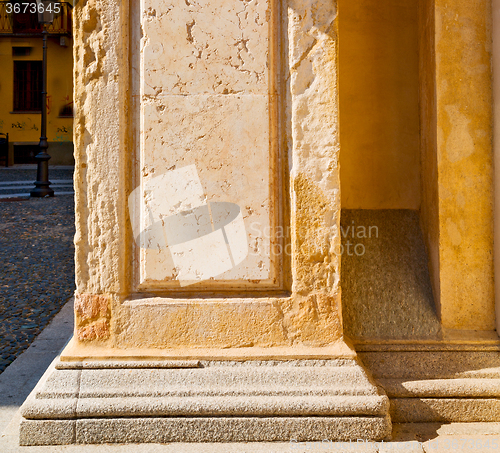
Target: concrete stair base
204	401
439	386
200	429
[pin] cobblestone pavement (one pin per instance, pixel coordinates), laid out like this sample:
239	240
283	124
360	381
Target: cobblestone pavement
36	263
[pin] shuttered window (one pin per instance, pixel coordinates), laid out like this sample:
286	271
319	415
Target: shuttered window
27	86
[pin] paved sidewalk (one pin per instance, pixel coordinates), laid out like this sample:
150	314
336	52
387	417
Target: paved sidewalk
36	265
19	379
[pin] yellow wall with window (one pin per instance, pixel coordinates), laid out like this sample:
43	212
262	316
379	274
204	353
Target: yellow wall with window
25	127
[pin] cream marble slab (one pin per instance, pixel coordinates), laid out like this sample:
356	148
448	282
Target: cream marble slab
208	102
205	46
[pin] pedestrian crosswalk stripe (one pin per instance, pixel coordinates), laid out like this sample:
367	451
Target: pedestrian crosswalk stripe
52	181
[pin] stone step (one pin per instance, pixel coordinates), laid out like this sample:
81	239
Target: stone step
438	386
418	365
442	388
431	410
107	401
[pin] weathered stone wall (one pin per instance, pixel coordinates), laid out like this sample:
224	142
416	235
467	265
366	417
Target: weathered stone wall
314	147
102	151
108	148
465	171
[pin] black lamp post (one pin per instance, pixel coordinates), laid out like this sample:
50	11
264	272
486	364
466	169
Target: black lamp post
42	183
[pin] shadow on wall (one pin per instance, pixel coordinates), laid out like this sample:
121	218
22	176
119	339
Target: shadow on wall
386	287
61	153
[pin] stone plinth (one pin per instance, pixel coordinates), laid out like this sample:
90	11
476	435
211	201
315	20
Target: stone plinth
205	401
207	247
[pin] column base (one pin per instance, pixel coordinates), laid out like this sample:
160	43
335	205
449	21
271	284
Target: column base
201	429
95	402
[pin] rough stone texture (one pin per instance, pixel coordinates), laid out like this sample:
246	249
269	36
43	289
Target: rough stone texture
92	316
314	145
432	364
421	410
47	432
110	157
327	388
307	200
89	307
100	126
251	401
211	406
78	351
439	386
98	330
128	364
231	430
442	388
234	322
479	435
464	133
205	429
207	323
61	384
386	288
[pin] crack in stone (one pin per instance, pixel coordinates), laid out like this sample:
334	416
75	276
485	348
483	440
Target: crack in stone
240	12
189	28
304	55
179	84
150	13
281	318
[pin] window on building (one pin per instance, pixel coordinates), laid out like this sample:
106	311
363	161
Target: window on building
27	86
25	21
21	51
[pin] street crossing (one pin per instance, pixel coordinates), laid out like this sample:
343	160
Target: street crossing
19	189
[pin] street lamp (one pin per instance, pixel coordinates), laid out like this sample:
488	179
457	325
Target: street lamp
45	10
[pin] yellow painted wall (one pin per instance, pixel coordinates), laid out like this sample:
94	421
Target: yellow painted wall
464	155
416	132
429	211
379	112
25	127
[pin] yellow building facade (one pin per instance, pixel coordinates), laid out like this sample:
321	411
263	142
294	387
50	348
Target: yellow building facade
20	80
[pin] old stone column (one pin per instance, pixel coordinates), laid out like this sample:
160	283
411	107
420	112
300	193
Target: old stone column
457	208
207	248
496	150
